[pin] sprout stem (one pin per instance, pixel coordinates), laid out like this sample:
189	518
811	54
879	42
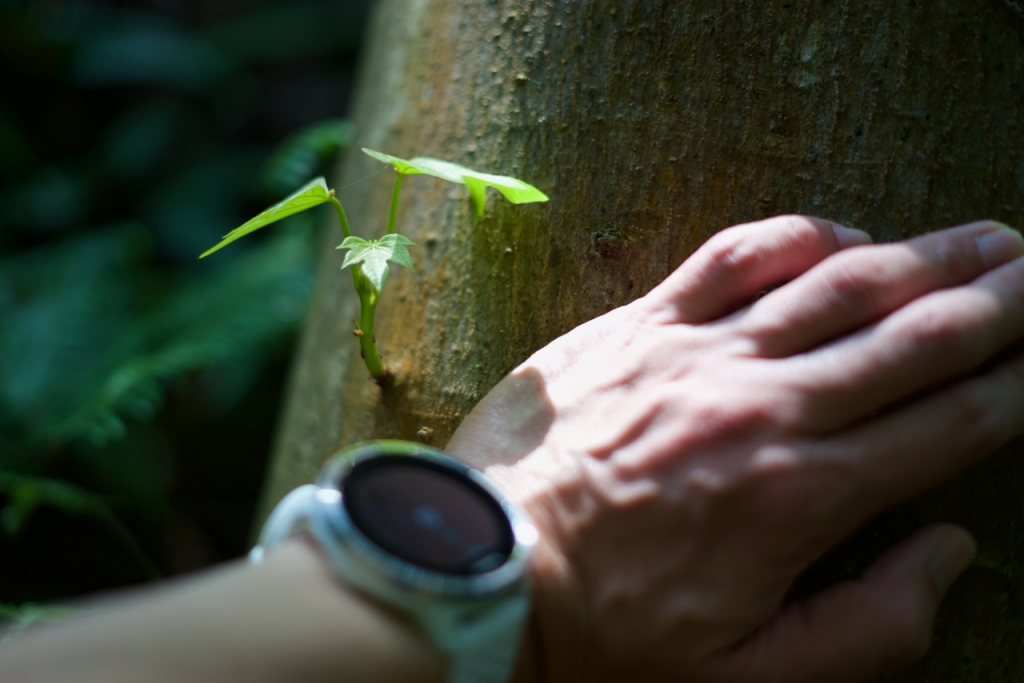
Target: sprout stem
341	215
394	203
368	297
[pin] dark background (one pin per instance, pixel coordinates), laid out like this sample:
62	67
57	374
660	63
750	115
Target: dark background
139	387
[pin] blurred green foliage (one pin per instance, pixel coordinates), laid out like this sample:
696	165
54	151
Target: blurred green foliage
20	617
138	386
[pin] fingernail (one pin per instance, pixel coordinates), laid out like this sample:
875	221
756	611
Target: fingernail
1000	246
950	558
849	237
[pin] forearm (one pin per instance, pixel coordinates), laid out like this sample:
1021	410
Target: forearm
287	619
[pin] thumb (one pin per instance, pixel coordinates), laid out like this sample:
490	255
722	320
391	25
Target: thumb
863	628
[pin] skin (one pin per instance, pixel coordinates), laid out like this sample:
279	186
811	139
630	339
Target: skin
685	457
287	619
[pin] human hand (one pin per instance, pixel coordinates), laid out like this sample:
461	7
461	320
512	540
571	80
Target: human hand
687	455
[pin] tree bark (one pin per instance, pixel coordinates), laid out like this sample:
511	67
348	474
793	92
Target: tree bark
653	124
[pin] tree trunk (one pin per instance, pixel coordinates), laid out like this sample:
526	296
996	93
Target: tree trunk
652	125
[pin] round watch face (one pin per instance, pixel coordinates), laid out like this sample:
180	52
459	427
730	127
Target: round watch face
427	514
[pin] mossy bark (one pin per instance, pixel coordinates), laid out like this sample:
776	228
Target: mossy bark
652	125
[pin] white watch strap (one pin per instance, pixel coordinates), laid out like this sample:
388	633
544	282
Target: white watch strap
480	637
291	516
483	648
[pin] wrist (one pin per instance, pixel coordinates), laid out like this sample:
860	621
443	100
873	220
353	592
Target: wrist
551	637
426	535
335	630
287	619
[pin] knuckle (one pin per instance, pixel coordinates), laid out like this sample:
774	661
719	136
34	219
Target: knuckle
796	409
752	243
717	419
854	281
800	228
1015	292
988	224
795	491
954	256
790	225
974	405
980	420
954	264
939	335
908	630
1015	369
783	501
732	253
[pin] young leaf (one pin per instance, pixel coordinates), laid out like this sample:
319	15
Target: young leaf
516	191
311	194
375	254
401	165
478	197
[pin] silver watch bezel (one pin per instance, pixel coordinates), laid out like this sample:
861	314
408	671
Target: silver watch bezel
406	574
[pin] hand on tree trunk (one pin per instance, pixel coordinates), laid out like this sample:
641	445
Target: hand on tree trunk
688	455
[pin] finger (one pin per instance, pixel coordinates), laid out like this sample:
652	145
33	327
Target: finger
863	285
909	450
863	628
937	337
736	264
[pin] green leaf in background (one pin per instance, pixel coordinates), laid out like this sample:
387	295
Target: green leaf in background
20	617
270	32
516	191
375	254
298	157
26	493
76	361
150	50
311	194
171	122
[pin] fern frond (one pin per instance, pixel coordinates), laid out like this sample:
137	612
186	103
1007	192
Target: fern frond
229	311
20	617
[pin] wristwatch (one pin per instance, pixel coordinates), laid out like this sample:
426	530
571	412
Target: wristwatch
422	532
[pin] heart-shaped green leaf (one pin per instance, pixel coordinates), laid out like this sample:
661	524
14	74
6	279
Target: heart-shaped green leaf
311	194
375	254
516	191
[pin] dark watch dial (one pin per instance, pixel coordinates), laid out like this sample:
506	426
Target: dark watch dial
427	514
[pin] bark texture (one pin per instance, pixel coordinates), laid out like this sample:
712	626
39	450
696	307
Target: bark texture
653	124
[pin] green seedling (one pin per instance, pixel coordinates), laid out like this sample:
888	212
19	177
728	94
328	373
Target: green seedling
368	259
